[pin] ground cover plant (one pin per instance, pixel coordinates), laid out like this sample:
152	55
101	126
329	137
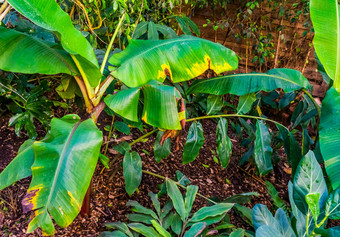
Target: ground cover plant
151	77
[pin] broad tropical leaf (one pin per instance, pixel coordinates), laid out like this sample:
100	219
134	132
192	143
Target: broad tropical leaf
26	54
20	166
224	144
330	136
195	140
263	151
325	15
124	103
61	172
287	79
214	104
309	179
245	103
181	59
132	167
49	15
160	107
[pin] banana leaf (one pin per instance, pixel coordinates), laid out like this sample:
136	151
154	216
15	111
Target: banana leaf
181	59
61	172
242	84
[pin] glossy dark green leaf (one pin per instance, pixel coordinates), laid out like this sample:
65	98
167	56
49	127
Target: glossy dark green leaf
160	107
122	147
194	142
20	166
192	25
132	170
195	229
124	103
241	198
263	151
122	127
245	103
278	202
215	210
190	198
214	104
140	218
176	198
136	207
332	209
312	200
143	229
330	136
237	233
309	179
183	25
224	144
161	151
176	224
287	99
287	79
167	32
244	212
182	179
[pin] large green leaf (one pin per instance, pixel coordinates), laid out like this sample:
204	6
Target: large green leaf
124	103
176	198
49	15
287	79
160	107
262	216
215	210
181	59
61	172
309	179
190	198
263	151
224	144
245	103
22	53
195	140
20	166
330	136
325	15
132	166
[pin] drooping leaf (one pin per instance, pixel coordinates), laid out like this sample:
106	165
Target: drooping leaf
132	167
224	144
190	198
183	25
332	209
312	200
61	172
263	151
176	198
181	59
287	79
325	16
20	166
161	151
143	229
329	135
160	107
26	54
124	103
215	210
195	229
194	142
309	179
152	31
214	104
245	103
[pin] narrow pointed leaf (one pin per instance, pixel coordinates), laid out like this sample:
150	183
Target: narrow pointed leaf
132	167
182	59
329	131
325	16
195	229
61	172
155	202
215	210
160	229
119	226
309	179
263	151
245	103
116	233
152	31
167	32
195	140
143	229
190	198
20	166
287	79
26	54
176	198
136	207
160	107
161	151
224	144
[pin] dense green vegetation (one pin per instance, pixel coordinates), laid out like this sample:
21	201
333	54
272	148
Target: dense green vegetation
146	81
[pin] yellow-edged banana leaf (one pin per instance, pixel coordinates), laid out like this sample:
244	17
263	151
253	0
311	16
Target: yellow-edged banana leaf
22	53
61	172
48	14
181	59
329	132
242	84
325	15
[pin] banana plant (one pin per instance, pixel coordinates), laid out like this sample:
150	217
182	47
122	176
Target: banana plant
63	163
